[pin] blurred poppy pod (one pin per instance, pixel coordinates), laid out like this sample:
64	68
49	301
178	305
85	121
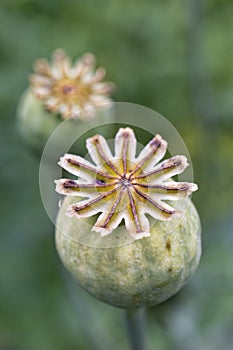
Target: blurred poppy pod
61	91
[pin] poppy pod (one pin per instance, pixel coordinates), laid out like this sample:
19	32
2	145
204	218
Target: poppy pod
61	91
145	244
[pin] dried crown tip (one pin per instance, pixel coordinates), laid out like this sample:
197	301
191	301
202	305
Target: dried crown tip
95	139
89	58
59	54
158	138
193	187
156	141
125	134
130	192
101	71
102	230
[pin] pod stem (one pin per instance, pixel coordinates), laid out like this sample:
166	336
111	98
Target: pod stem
135	323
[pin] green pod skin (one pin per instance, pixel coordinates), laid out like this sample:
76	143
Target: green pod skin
145	272
35	124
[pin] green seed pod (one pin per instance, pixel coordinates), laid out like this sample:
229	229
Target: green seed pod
149	243
141	272
62	91
34	122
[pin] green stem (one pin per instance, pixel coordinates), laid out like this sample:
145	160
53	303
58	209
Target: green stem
135	322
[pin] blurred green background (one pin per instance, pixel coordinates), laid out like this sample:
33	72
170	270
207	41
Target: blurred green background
173	56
